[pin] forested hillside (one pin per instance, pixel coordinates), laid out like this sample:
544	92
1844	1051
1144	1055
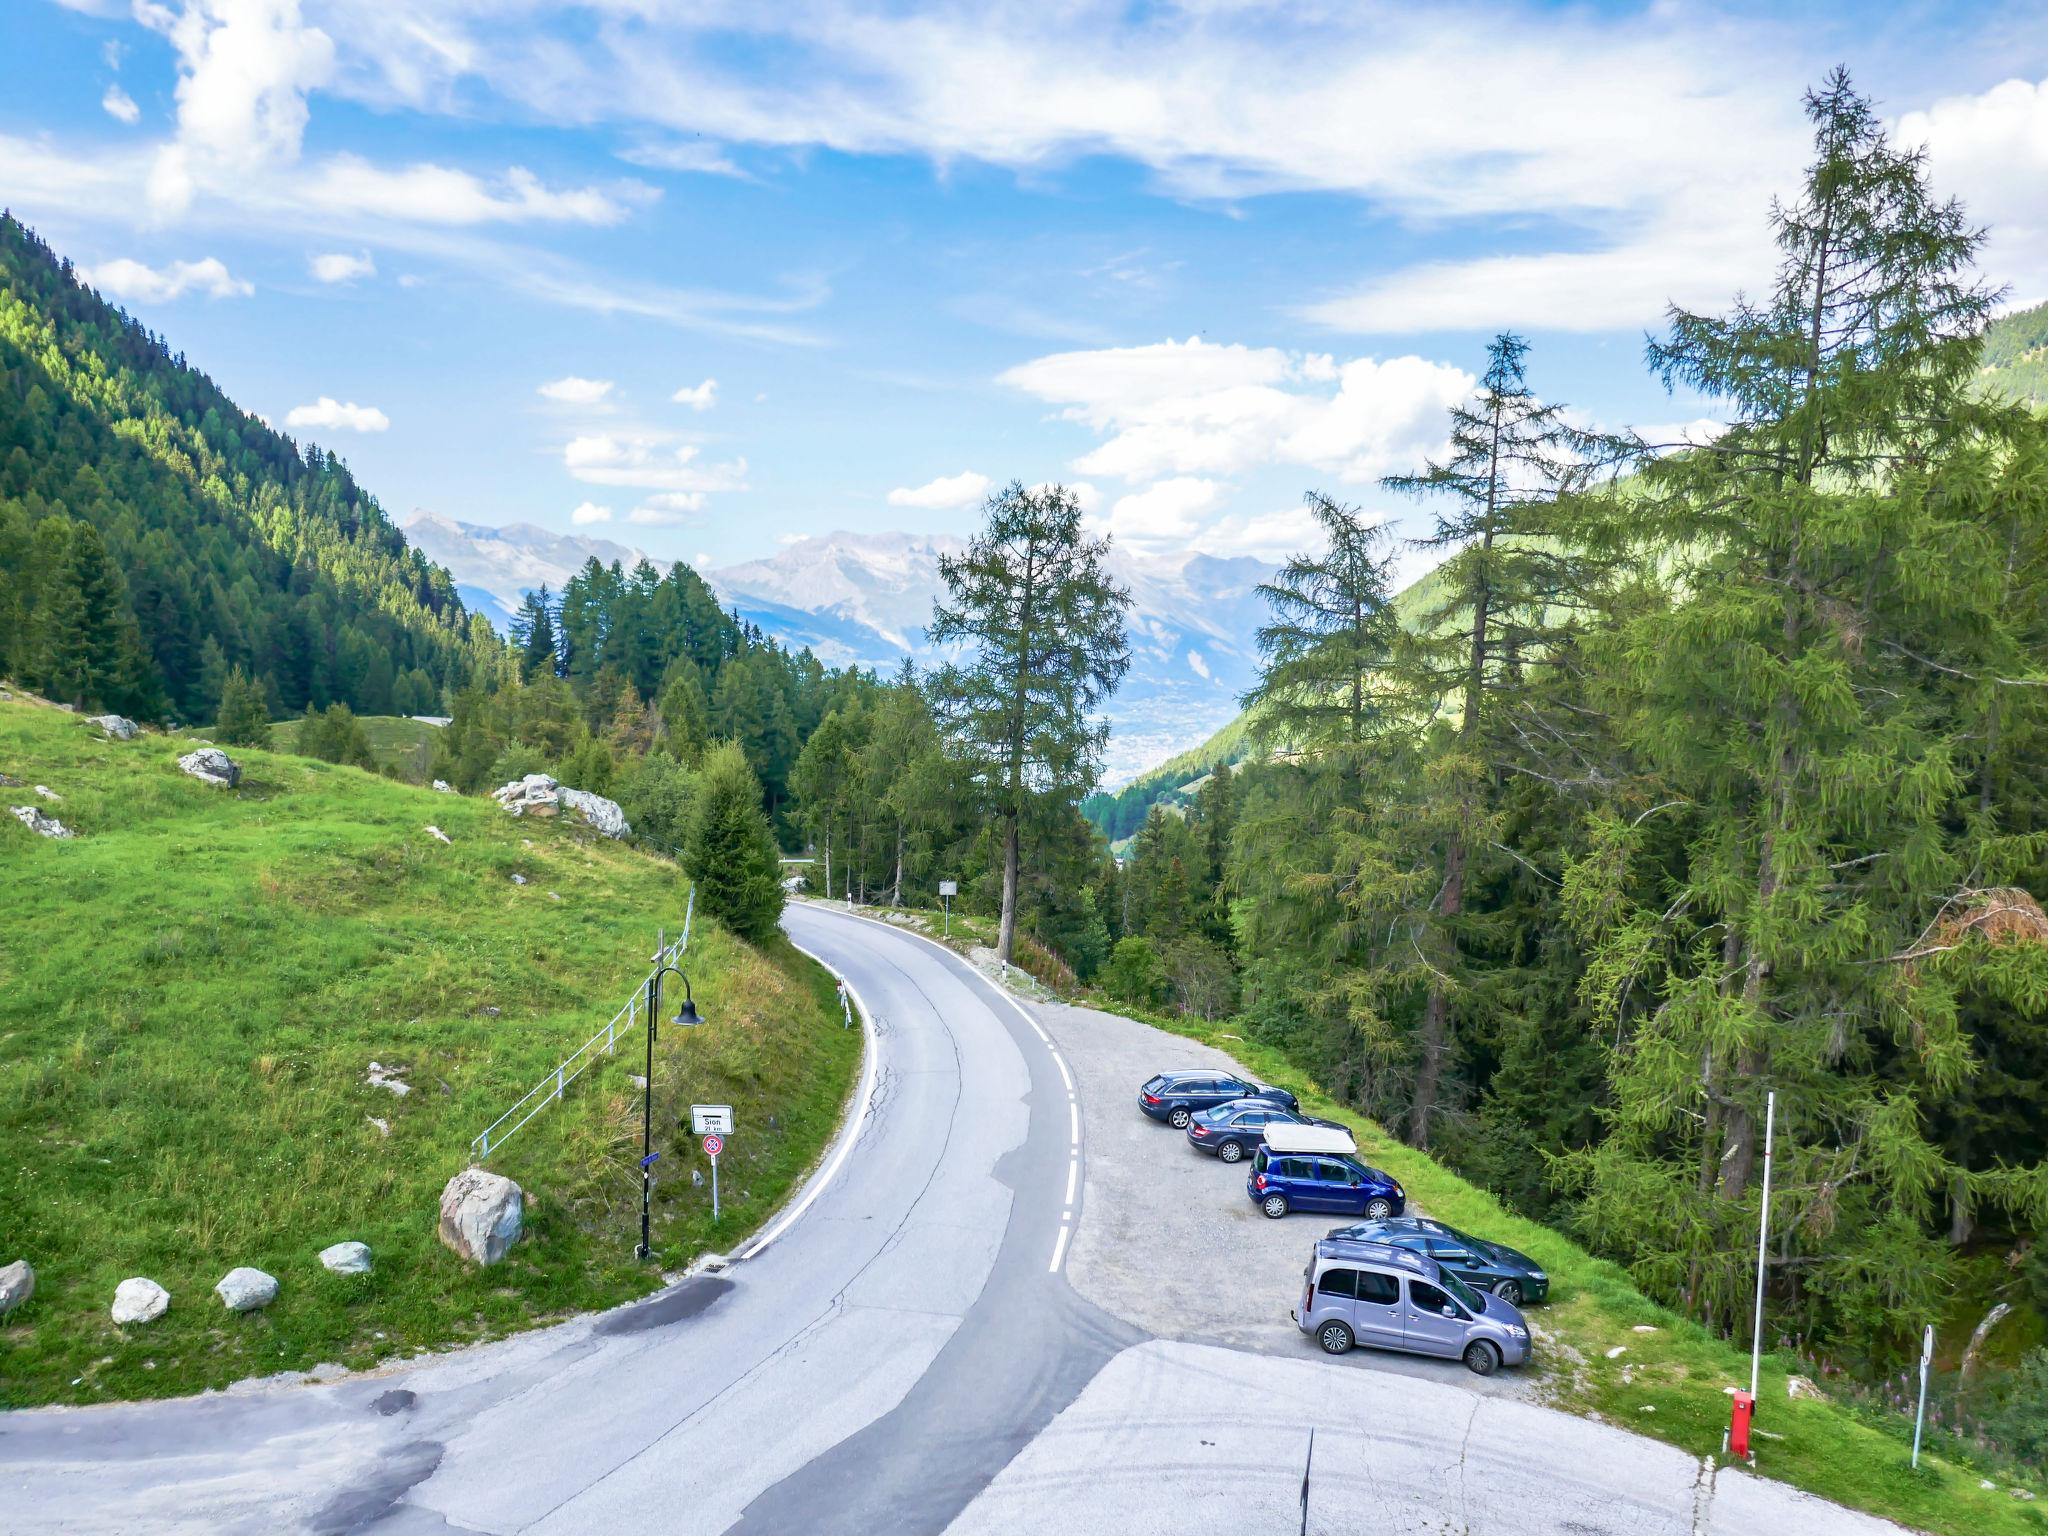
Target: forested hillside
1687	779
153	535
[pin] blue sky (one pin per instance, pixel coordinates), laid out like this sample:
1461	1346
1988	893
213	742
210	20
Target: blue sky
1196	258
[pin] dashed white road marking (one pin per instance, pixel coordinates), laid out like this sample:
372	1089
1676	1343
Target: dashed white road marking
1059	1250
1073	1178
1061	1062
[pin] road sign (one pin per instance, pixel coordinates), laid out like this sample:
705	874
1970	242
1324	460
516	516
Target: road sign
949	887
710	1119
713	1145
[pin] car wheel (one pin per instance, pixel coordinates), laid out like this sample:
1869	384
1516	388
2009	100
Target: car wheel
1482	1358
1274	1206
1179	1119
1379	1208
1334	1337
1509	1291
1230	1152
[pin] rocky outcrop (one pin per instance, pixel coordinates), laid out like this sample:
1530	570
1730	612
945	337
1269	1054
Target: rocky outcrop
482	1214
603	815
244	1289
346	1258
535	795
38	823
119	727
392	1077
442	786
140	1301
212	765
17	1284
538	794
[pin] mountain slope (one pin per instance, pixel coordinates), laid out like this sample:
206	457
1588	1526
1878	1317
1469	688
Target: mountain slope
198	981
211	541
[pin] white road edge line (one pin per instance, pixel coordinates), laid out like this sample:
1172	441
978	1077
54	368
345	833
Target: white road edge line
1059	1250
855	1117
1061	1062
1073	1177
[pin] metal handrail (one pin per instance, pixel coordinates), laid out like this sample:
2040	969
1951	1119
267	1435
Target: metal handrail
549	1089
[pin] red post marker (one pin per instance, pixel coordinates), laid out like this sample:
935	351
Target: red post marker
1744	1407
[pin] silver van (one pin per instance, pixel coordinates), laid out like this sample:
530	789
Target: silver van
1360	1292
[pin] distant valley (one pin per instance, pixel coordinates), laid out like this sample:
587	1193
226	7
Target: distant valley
865	598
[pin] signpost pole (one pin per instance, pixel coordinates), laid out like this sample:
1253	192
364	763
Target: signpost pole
1763	1233
1920	1416
714	1188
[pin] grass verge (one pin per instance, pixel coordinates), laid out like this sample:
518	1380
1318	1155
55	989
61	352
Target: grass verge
191	992
398	742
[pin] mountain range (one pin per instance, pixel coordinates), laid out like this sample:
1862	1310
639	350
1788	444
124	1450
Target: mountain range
864	599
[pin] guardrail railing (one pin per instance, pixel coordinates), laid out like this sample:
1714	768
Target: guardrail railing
623	1023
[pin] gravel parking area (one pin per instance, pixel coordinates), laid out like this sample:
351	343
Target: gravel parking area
1168	1239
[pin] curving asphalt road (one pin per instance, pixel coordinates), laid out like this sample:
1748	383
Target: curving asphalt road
872	1366
900	1352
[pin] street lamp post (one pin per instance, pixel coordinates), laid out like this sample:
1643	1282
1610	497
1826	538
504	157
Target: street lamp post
686	1016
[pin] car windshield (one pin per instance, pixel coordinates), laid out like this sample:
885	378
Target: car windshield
1462	1291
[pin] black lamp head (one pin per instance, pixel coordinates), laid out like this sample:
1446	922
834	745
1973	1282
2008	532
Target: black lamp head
687	1014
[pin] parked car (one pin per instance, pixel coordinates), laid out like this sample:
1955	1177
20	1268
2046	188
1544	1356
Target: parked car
1362	1292
1283	1181
1233	1131
1480	1264
1175	1096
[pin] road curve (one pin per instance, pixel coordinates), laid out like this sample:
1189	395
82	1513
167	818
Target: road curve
872	1367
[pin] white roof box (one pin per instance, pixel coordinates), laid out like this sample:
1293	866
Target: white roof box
1330	1140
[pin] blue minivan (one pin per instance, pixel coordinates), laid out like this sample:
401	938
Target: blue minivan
1283	1181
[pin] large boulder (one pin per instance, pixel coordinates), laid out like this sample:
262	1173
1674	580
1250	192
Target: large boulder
244	1289
481	1215
535	795
119	727
140	1301
346	1258
17	1284
43	826
601	813
212	765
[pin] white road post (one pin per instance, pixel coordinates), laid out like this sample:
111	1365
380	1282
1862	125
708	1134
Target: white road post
1920	1416
1763	1233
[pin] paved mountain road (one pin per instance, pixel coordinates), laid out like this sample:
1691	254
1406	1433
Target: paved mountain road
905	1355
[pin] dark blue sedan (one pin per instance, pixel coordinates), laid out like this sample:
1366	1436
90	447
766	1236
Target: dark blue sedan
1175	1096
1233	1131
1321	1182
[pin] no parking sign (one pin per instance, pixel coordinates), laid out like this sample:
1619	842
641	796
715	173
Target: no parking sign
713	1145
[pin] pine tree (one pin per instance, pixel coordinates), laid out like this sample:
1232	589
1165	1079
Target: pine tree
243	719
1044	623
730	855
533	633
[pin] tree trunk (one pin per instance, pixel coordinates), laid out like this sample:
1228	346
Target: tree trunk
1006	943
896	890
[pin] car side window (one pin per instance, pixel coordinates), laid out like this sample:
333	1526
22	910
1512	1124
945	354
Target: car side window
1251	1117
1297	1168
1339	1282
1425	1297
1444	1248
1385	1290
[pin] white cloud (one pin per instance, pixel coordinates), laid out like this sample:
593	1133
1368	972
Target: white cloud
700	397
342	266
124	278
1204	408
336	416
646	462
667	510
590	512
572	390
439	194
244	70
1164	515
1198	664
120	106
1991	150
695	156
943	494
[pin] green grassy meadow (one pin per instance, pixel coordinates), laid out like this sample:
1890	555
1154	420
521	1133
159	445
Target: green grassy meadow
192	989
401	744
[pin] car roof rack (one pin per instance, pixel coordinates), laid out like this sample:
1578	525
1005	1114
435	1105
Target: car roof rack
1377	1252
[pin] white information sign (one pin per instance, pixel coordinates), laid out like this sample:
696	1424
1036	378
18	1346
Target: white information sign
710	1119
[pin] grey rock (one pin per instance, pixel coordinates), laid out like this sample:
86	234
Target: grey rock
17	1284
381	1076
117	726
482	1214
212	765
38	823
696	1178
140	1301
439	835
243	1289
519	879
48	793
442	786
346	1258
603	815
535	795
